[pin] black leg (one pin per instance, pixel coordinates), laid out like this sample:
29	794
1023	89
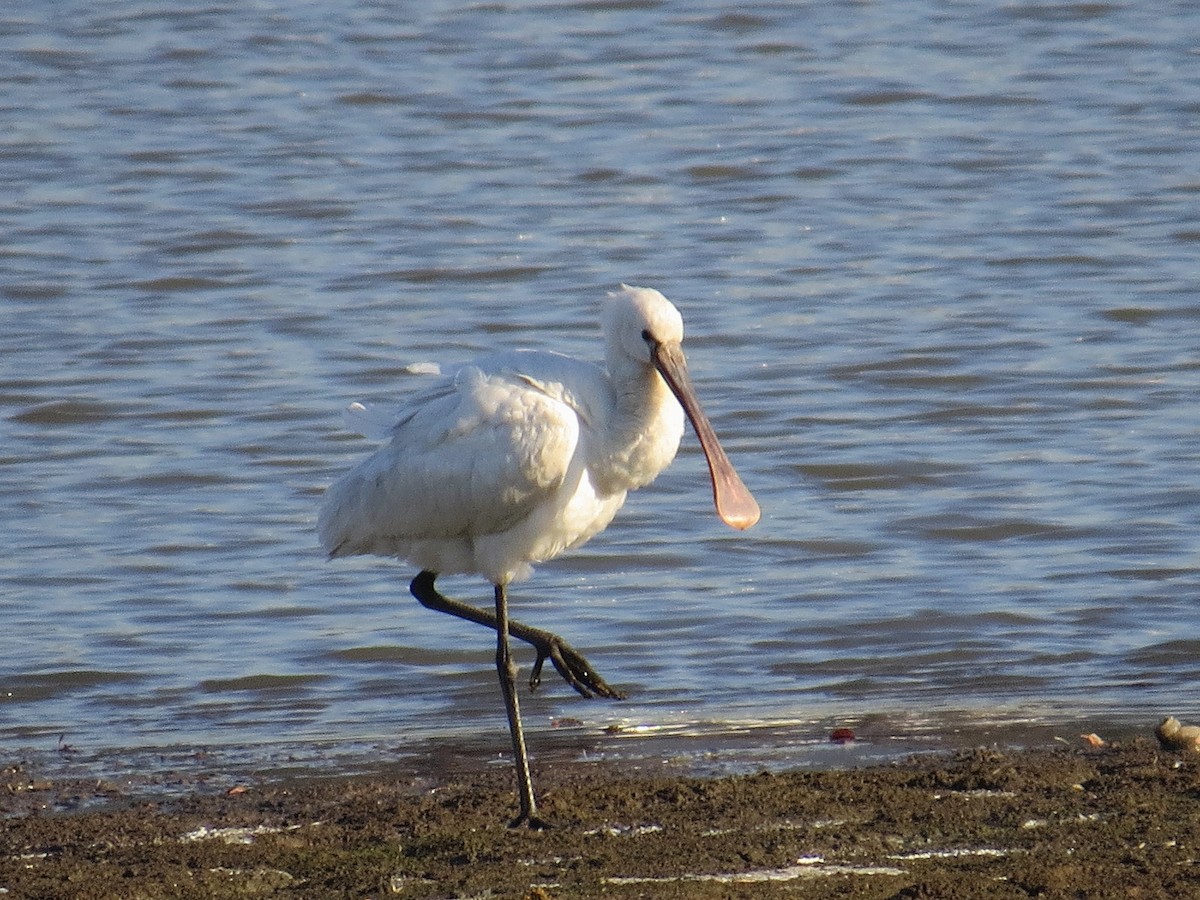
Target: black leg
507	670
569	663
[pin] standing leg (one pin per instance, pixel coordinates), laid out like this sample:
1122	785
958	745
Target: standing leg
507	671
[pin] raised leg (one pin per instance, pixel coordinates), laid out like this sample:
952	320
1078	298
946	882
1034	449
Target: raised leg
569	663
507	670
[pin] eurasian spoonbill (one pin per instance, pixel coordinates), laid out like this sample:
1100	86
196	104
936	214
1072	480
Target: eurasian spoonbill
518	457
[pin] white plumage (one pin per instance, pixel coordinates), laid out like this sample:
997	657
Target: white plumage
516	457
523	455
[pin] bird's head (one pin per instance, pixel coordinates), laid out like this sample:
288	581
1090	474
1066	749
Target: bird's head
642	327
636	320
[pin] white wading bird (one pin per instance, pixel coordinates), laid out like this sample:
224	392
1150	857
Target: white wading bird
521	456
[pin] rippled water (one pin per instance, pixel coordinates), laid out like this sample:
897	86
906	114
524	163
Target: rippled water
939	268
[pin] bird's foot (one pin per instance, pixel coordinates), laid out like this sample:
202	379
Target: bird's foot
532	822
575	670
571	665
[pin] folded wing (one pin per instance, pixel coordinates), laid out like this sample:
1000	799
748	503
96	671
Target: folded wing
471	456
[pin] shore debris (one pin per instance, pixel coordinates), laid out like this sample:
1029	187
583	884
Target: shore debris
1174	735
842	736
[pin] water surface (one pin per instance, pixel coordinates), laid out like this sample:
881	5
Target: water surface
938	265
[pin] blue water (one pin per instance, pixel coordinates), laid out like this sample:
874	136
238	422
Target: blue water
939	270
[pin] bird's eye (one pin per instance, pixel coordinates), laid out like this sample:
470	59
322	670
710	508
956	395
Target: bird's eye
647	336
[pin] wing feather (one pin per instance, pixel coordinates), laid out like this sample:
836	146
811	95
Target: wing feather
469	457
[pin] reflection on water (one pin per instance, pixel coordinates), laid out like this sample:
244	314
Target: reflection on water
938	273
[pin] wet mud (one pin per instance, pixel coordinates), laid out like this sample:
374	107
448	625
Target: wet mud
1121	820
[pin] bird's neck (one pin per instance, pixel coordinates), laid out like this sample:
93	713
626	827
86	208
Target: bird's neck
645	431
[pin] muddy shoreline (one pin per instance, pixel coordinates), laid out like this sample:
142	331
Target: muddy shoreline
1121	820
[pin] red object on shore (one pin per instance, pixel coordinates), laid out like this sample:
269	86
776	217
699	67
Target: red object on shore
842	736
